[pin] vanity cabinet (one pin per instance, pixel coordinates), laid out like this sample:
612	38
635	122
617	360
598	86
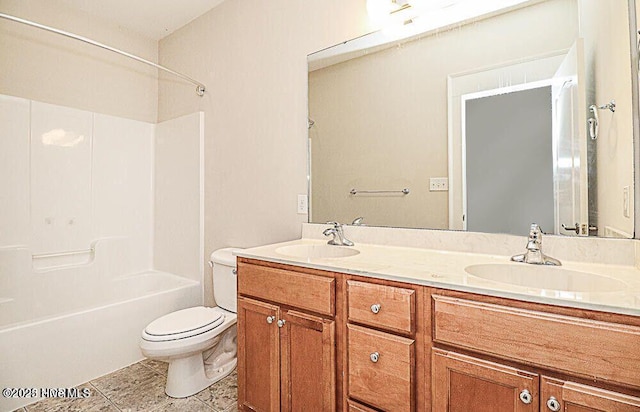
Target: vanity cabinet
605	349
381	345
381	369
567	396
464	383
258	356
286	340
548	340
382	306
312	340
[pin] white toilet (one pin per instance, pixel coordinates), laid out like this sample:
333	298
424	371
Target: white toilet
199	343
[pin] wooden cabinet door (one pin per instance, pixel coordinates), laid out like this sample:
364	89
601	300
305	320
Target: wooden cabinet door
258	356
307	345
462	384
557	395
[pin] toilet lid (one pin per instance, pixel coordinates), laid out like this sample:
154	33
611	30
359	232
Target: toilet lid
184	323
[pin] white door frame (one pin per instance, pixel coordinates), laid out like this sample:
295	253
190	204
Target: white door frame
510	76
463	125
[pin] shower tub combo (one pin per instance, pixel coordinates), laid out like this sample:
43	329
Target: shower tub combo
100	233
65	327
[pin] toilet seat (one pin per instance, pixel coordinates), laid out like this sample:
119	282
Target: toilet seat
183	324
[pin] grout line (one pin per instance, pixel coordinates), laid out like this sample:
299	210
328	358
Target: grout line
104	396
202	402
146	366
160	405
161	373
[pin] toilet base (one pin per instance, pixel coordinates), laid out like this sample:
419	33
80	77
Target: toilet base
189	375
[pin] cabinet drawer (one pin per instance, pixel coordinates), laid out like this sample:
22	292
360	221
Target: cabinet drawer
386	382
594	349
574	396
386	307
300	290
356	407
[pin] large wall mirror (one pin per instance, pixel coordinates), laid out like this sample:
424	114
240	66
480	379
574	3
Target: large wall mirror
488	123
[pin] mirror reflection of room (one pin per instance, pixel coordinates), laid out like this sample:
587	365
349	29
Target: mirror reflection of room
489	123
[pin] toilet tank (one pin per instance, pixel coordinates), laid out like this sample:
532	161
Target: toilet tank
225	278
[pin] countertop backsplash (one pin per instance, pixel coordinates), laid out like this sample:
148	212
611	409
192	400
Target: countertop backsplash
625	252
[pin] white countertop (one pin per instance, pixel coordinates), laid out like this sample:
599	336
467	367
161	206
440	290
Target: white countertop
445	269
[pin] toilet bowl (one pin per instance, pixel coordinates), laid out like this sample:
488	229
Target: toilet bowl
199	343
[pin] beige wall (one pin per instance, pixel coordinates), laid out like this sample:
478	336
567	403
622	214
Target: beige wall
251	54
47	67
604	27
177	230
381	119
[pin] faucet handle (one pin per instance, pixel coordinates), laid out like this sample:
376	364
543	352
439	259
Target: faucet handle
332	231
535	237
535	232
335	224
329	231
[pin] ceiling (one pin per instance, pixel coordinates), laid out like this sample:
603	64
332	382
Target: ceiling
154	19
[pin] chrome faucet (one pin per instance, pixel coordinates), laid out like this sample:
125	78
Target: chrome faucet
534	253
338	235
357	221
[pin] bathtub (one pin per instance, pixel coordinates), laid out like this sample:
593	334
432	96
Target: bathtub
88	332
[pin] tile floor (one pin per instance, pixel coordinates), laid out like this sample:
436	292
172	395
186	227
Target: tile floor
140	387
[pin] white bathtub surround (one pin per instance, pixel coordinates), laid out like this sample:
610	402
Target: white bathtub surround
439	258
77	280
178	208
82	177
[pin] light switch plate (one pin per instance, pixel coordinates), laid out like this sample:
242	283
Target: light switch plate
438	184
303	205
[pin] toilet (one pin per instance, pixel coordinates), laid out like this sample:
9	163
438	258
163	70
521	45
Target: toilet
199	343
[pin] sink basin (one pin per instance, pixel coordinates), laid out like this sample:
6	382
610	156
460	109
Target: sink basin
546	277
317	251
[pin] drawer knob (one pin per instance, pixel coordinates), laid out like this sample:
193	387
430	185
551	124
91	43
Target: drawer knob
375	308
526	397
281	323
374	357
270	319
553	404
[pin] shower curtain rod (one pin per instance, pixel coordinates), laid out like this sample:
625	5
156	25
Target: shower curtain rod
200	88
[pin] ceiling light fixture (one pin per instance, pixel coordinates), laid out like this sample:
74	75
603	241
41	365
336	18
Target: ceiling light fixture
384	13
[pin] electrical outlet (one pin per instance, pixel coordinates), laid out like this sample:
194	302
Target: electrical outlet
303	205
625	202
438	184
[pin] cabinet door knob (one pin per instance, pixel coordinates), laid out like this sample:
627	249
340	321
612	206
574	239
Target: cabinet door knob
270	319
281	323
553	404
374	357
375	308
526	397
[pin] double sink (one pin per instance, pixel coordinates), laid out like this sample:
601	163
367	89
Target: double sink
516	274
